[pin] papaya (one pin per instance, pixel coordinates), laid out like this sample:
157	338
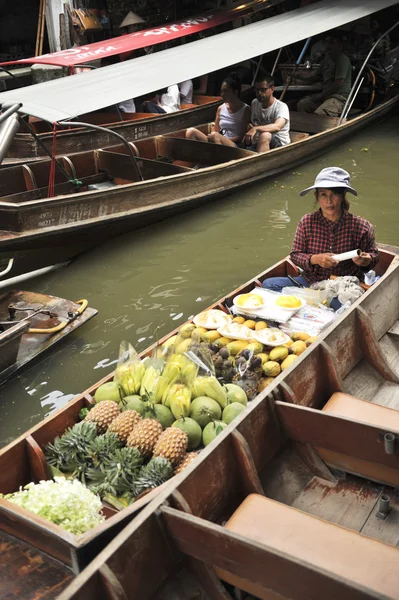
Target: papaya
301	336
271	368
279	353
235	347
288	361
298	347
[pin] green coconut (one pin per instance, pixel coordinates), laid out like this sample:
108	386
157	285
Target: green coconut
109	391
212	430
192	429
235	393
232	411
204	410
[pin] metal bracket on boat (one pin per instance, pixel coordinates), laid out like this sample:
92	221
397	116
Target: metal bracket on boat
110	132
389	440
13	309
384	507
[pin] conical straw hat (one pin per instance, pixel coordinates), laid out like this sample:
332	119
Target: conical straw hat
131	19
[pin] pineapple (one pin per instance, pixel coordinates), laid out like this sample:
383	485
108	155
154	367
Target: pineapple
69	452
117	473
144	436
172	445
155	473
123	424
103	414
187	458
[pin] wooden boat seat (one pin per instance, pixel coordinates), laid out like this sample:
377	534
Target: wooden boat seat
311	123
296	136
198	152
387	419
338	552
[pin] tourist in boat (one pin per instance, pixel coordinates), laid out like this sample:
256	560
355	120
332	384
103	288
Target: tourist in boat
270	118
186	91
170	99
330	230
334	71
232	117
152	104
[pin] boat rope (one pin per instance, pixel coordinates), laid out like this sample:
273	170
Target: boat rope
51	181
83	304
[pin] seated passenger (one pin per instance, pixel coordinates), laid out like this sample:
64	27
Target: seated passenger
270	118
170	100
186	92
152	104
232	117
335	73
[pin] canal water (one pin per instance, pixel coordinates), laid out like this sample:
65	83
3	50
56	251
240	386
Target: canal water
145	283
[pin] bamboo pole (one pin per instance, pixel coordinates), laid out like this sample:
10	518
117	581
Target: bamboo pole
39	27
42	27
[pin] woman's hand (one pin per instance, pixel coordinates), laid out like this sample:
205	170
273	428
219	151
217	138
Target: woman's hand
325	260
363	260
249	136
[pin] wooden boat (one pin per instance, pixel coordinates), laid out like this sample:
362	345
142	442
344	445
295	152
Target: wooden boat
298	500
28	539
133	127
30	323
113	199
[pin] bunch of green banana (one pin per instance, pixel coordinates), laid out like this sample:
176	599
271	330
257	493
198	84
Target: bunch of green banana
162	385
129	376
179	401
149	381
210	387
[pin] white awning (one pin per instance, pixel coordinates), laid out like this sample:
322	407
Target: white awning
75	95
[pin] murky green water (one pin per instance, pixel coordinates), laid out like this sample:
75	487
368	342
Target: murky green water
147	282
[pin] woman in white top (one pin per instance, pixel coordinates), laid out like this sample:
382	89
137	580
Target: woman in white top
232	117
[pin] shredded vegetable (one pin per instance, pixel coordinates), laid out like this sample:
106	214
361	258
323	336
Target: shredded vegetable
65	502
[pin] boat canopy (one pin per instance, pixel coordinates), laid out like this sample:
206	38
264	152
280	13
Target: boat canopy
69	97
148	37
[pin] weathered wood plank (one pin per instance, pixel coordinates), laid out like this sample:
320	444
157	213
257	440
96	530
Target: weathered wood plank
386	530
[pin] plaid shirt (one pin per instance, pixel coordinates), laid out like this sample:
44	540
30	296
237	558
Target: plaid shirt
316	235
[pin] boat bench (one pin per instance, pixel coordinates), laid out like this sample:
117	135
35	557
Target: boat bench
325	548
387	419
311	123
296	136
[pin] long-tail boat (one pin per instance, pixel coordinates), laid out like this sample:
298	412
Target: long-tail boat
71	203
30	323
140	559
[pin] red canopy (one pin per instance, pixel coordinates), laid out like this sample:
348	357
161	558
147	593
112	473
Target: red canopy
147	37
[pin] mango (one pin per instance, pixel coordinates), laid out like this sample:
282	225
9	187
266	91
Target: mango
250	324
288	361
271	368
170	342
311	340
299	335
279	353
210	336
260	325
264	357
264	382
222	341
187	329
255	347
239	320
183	346
235	347
196	334
288	344
298	347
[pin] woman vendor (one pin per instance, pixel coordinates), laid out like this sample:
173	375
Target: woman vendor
328	231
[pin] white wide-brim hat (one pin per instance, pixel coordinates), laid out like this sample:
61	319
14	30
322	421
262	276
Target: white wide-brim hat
331	177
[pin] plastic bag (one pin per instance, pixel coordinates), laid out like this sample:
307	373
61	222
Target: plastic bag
130	369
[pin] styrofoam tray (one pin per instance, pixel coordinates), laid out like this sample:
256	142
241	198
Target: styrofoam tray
270	311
